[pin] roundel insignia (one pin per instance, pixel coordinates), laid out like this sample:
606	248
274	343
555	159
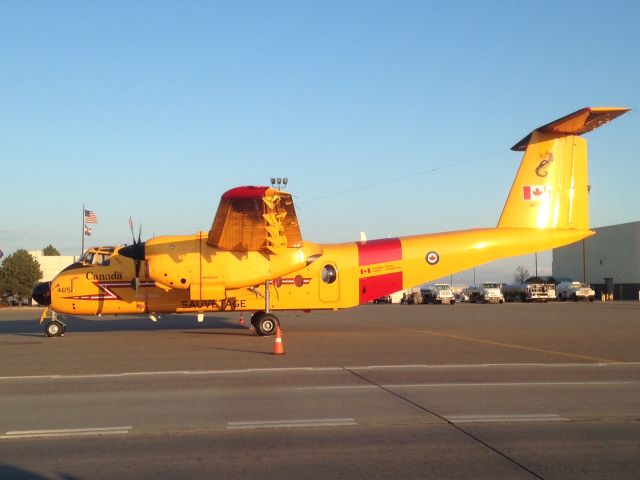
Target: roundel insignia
432	258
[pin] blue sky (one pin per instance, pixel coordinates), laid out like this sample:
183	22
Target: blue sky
389	117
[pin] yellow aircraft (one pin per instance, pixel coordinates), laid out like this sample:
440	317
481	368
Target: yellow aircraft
254	258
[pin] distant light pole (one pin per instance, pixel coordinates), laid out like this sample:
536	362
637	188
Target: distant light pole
584	249
536	255
584	261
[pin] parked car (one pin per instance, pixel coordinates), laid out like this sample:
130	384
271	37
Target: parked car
411	298
385	299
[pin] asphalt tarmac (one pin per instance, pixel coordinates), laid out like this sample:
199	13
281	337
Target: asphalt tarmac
380	391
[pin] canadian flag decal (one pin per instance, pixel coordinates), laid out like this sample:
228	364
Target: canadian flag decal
537	193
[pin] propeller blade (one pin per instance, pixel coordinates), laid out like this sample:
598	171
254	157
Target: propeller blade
136	252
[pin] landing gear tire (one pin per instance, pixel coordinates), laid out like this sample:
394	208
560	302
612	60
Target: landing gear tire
54	328
265	323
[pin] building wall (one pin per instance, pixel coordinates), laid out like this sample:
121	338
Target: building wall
613	253
51	265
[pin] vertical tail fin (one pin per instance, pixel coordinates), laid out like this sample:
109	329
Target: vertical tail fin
550	189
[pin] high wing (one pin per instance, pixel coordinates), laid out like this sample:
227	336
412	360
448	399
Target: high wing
255	219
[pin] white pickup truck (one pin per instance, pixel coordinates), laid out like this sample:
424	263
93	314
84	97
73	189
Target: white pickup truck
438	293
575	291
486	292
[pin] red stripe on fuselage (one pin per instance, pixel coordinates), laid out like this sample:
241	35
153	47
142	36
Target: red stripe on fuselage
380	285
379	251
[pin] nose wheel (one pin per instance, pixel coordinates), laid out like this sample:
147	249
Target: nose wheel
52	326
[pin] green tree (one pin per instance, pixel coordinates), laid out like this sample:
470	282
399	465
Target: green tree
521	274
50	251
19	274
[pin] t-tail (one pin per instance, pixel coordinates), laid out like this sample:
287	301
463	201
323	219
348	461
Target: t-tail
547	206
551	187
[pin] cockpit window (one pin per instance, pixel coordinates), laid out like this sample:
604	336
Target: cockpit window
88	258
102	259
97	256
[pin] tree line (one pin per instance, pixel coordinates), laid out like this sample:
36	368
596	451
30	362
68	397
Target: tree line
19	273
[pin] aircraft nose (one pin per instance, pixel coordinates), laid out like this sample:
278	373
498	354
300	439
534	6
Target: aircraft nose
42	294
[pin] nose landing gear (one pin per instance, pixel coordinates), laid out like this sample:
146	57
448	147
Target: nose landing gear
53	327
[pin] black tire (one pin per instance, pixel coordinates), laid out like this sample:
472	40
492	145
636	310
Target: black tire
255	316
265	324
54	329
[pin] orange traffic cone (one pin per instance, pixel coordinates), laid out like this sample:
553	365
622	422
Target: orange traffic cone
241	319
278	347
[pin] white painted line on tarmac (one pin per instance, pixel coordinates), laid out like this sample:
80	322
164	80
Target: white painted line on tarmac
66	432
505	418
338	387
316	422
494	365
174	372
508	384
318	369
492	384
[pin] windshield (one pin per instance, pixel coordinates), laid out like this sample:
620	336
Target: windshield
441	287
97	256
490	285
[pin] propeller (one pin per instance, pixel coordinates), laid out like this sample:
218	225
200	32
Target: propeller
135	251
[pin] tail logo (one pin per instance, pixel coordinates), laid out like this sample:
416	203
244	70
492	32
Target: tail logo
546	159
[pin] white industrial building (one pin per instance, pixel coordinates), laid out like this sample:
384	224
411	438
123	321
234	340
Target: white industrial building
609	261
51	265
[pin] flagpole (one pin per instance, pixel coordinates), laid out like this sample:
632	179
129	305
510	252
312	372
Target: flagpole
82	251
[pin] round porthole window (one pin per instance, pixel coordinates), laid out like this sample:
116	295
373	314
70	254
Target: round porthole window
328	274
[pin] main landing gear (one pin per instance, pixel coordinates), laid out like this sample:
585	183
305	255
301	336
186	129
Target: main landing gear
53	327
264	323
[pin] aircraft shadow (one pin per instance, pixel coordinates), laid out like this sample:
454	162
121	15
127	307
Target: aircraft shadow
9	472
223	325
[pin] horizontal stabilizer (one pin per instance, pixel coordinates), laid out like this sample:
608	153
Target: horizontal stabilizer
576	123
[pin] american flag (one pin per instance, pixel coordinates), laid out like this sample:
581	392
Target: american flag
90	216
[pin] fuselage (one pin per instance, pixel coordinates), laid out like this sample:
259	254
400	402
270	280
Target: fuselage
343	275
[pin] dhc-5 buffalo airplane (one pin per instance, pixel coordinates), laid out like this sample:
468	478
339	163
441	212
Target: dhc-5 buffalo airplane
254	258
